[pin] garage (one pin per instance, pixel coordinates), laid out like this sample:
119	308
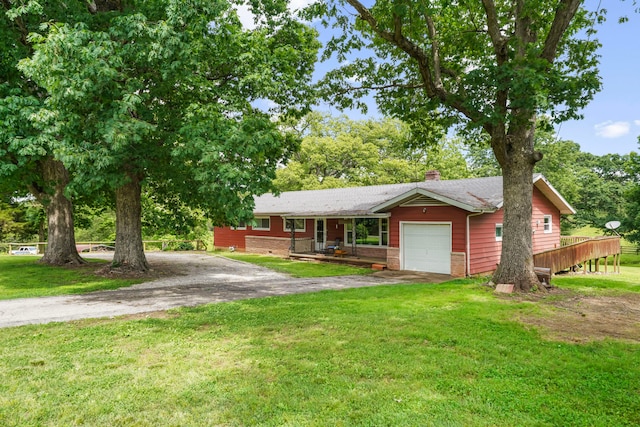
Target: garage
426	247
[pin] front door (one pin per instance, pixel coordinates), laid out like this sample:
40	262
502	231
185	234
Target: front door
321	236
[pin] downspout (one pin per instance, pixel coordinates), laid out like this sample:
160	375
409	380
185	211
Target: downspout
469	241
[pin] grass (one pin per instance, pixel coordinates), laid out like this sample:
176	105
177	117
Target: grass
23	277
627	281
297	268
405	355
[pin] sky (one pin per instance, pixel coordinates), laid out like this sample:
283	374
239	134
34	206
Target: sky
611	122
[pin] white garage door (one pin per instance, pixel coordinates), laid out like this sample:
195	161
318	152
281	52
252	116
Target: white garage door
426	247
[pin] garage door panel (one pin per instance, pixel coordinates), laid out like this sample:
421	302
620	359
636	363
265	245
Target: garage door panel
427	247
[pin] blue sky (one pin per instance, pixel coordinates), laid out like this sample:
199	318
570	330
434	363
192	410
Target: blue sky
611	122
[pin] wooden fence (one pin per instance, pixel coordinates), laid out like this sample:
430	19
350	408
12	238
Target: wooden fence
149	245
630	250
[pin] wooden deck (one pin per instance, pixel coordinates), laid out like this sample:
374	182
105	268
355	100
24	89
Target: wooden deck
581	250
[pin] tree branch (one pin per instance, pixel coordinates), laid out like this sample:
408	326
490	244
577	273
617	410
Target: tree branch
396	38
435	55
499	42
565	12
382	87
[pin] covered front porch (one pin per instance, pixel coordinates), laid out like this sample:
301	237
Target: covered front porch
348	240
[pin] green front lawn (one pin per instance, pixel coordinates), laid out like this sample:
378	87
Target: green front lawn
297	268
22	277
407	355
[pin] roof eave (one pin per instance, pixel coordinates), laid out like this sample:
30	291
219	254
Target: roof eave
545	187
397	201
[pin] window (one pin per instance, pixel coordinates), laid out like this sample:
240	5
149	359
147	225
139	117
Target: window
547	224
262	224
384	231
300	224
369	231
498	232
241	226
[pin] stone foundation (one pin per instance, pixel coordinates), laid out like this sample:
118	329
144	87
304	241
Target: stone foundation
393	258
367	252
458	264
276	245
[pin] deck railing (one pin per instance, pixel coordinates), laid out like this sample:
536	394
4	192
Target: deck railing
570	240
582	251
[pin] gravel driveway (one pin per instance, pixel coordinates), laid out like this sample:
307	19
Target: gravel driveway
200	279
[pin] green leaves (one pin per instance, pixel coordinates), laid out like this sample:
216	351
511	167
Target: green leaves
338	152
463	56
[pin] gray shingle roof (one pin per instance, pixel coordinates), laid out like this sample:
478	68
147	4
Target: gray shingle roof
474	194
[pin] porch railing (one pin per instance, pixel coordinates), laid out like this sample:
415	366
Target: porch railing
581	251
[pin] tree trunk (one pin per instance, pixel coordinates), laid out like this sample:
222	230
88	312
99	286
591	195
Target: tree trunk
129	254
61	241
517	159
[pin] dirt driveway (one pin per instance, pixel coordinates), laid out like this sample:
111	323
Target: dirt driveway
190	279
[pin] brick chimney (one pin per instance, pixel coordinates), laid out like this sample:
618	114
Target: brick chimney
432	175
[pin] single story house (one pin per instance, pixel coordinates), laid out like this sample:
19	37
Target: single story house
441	226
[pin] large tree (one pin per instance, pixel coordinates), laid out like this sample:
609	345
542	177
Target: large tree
168	92
493	65
27	161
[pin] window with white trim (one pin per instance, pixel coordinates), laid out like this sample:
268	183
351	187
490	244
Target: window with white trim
262	223
241	226
369	231
498	232
547	224
300	224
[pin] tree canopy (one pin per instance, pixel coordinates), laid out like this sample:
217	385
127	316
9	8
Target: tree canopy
168	92
339	152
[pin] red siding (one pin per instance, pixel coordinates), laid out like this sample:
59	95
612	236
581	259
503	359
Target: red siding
485	250
223	237
335	230
457	217
542	206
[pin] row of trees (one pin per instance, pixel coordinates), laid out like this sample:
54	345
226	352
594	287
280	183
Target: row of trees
340	152
101	99
107	97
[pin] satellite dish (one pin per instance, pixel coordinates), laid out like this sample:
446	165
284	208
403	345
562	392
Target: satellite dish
612	225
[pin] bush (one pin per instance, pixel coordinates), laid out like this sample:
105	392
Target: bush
184	246
178	246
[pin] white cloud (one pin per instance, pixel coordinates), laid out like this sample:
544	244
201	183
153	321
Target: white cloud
247	17
636	122
610	129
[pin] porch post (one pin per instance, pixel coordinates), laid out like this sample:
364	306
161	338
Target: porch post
353	241
292	227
